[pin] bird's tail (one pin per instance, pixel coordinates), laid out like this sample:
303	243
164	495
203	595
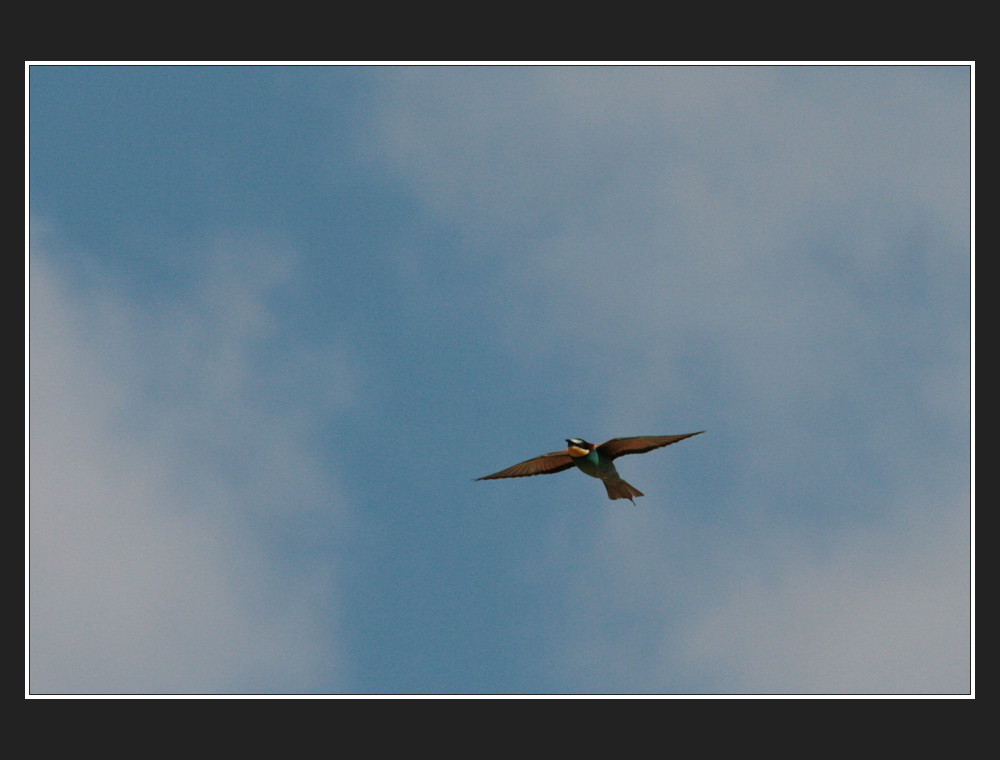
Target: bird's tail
619	489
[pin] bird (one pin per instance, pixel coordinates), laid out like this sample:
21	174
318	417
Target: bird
593	460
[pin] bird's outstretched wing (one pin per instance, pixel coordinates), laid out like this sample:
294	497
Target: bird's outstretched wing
557	461
618	447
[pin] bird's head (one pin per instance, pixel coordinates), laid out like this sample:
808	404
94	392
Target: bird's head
579	447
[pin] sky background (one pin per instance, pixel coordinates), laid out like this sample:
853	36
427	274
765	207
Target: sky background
280	318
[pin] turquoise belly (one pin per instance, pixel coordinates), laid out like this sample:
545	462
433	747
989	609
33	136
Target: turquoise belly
593	466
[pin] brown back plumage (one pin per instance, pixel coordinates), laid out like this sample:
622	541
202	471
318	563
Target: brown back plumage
557	461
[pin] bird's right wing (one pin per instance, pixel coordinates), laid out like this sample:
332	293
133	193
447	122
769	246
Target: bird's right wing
546	464
618	447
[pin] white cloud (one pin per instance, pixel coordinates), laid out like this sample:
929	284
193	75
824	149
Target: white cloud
884	611
662	602
785	249
157	459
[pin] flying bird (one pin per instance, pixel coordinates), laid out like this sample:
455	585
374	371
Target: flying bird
596	461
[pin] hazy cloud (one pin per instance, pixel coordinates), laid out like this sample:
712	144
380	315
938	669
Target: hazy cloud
160	449
781	256
454	266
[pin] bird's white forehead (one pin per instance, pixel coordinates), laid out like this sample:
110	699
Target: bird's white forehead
576	440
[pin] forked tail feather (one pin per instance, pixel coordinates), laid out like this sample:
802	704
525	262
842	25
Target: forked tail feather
619	489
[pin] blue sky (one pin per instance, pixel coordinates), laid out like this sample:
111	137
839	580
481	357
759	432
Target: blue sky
280	318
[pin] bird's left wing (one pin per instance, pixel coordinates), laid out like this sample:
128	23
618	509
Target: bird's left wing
618	447
557	461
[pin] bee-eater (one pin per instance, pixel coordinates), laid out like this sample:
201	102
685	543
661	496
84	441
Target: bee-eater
596	461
